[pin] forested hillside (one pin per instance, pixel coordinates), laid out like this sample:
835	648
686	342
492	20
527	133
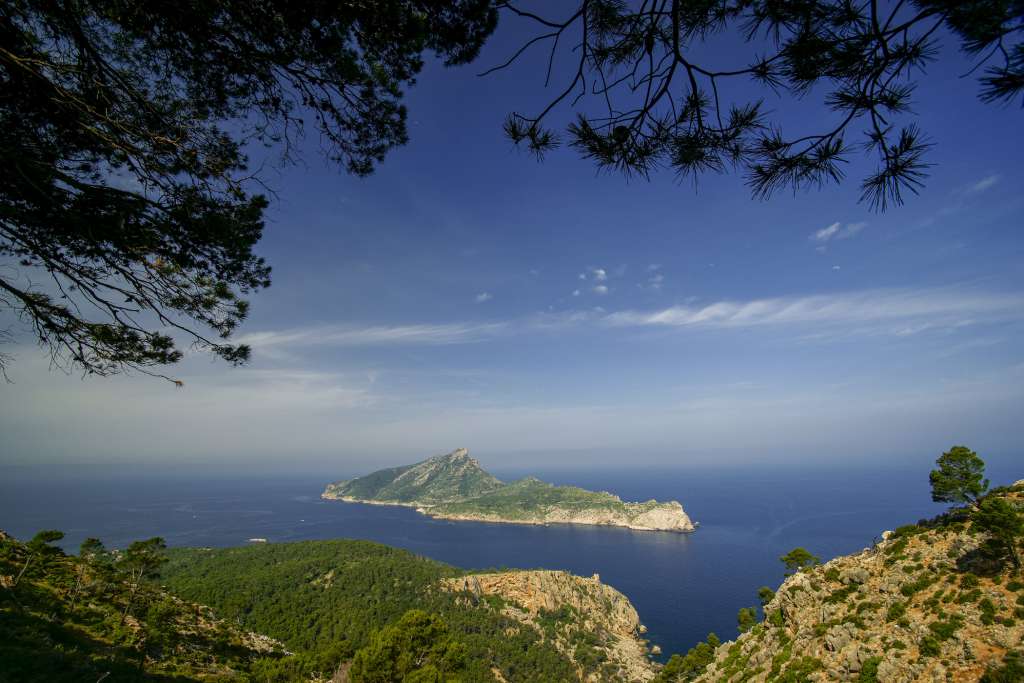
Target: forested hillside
326	599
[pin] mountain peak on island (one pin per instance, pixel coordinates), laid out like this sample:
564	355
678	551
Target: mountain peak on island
439	479
458	455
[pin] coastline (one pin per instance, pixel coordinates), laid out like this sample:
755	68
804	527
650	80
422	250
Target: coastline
426	511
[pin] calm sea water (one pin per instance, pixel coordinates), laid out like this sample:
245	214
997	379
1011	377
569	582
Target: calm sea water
683	585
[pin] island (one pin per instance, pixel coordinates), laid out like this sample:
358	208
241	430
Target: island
456	487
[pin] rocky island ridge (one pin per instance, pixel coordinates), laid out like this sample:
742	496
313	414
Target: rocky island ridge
454	486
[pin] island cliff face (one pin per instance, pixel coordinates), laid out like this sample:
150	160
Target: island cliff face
454	486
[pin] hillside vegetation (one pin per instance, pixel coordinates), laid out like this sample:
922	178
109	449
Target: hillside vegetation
328	602
95	618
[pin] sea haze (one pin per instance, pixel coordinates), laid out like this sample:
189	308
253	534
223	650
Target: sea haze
683	585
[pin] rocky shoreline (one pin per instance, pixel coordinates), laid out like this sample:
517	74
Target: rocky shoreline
666	517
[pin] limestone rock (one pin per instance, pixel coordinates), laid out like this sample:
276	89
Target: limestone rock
598	609
908	606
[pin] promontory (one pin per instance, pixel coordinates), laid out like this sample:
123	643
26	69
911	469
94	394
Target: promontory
454	486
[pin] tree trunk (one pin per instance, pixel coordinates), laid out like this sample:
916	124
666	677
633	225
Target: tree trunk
28	561
78	588
131	599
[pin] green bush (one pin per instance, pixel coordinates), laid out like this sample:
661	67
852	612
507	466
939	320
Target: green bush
869	670
1012	670
944	630
929	647
988	611
896	611
419	647
691	665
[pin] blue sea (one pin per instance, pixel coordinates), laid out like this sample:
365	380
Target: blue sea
683	585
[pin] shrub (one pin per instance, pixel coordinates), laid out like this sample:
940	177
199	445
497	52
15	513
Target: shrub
896	611
746	618
1011	671
944	630
799	670
917	585
988	611
841	594
969	581
929	647
869	670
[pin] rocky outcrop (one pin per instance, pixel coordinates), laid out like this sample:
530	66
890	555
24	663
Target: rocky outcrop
577	614
652	516
924	604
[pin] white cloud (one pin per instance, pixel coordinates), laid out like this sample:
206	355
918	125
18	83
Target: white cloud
599	274
836	231
884	311
941	307
483	296
332	335
582	276
836	268
983	184
653	267
825	234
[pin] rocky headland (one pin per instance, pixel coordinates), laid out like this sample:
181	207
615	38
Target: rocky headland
926	603
572	612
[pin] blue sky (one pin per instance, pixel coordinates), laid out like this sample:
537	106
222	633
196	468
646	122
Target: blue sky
466	295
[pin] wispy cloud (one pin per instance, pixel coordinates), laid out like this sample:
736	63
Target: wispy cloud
836	231
898	312
483	296
330	335
940	306
982	185
599	274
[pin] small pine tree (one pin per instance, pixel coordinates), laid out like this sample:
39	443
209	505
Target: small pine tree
746	618
960	477
1004	524
799	559
40	551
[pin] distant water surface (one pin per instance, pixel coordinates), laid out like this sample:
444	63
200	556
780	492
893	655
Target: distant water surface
683	585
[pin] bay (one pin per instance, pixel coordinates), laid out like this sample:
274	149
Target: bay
683	585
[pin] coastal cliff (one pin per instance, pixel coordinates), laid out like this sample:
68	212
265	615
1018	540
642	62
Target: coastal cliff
591	623
926	603
455	487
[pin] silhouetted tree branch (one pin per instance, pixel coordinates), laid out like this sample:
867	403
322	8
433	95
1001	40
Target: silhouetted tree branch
124	128
647	102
